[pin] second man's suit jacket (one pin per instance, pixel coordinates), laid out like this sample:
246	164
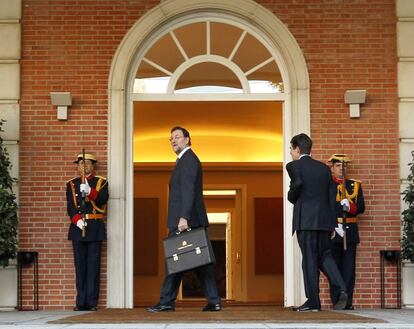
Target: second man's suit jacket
186	193
311	191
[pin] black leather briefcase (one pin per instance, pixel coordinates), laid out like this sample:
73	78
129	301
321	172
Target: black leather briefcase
188	250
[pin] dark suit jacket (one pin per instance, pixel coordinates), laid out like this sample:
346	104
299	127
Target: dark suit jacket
186	193
311	192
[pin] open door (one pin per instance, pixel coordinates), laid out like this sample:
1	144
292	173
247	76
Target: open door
219	233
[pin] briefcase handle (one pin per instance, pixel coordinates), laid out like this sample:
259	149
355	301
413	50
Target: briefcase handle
179	232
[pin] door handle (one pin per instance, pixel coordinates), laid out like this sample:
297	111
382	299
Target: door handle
238	257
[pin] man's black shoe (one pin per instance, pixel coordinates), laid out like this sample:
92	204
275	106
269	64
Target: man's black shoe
295	308
80	308
212	307
342	300
160	308
93	308
305	308
349	307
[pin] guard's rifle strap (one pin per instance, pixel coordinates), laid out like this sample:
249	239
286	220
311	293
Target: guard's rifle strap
344	214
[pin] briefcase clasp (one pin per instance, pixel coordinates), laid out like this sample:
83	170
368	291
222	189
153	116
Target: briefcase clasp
175	257
198	250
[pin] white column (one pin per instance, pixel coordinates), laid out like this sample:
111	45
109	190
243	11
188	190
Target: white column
10	35
405	53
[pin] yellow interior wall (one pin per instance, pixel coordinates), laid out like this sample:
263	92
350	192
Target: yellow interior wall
152	185
220	131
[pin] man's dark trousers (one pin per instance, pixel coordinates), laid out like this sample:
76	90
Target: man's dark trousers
316	255
205	274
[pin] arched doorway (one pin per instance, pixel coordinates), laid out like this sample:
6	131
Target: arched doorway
169	16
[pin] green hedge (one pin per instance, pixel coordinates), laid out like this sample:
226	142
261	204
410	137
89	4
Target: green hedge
8	208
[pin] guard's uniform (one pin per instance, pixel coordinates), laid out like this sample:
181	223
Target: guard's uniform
345	259
87	250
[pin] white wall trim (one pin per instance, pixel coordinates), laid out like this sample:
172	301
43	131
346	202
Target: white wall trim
296	119
10	35
405	57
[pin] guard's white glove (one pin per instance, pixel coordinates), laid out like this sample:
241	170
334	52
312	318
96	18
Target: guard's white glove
340	230
80	223
85	188
345	204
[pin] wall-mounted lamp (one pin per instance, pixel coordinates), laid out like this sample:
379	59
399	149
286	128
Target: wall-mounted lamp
62	100
354	98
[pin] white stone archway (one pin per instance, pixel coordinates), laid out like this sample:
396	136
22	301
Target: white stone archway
120	162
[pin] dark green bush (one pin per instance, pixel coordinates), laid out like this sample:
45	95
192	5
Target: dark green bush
8	208
407	241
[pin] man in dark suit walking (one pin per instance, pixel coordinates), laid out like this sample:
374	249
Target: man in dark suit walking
314	220
186	209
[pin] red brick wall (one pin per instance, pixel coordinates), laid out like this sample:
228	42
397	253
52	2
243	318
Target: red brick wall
352	45
69	46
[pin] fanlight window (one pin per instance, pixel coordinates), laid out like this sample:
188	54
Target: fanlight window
208	57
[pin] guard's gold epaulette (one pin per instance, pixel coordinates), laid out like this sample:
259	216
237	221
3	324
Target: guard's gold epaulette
354	180
100	177
71	179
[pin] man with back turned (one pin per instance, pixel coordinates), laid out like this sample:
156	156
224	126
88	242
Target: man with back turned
314	220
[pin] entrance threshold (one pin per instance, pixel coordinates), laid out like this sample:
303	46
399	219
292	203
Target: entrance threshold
195	302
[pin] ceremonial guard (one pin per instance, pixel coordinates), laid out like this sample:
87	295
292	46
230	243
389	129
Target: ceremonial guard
86	197
349	204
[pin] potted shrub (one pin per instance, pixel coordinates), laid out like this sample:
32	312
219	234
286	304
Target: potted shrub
8	208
